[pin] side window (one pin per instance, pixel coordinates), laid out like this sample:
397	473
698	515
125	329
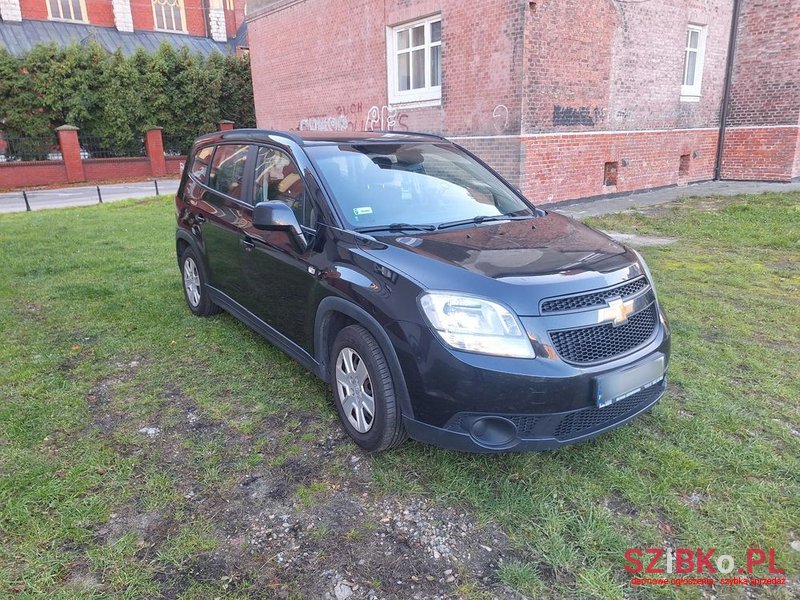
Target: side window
200	163
227	170
277	179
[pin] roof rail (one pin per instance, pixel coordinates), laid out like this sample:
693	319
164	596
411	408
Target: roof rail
287	134
254	131
419	133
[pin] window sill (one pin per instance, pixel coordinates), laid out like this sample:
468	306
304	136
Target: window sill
60	20
690	98
428	103
178	31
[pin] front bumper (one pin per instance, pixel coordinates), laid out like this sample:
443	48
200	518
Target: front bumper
482	403
534	432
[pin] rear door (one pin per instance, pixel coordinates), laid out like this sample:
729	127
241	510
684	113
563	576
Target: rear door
225	213
280	284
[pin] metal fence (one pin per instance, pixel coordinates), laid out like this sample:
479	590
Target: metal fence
101	147
176	144
17	149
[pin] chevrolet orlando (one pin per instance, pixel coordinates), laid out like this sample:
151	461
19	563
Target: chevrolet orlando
436	300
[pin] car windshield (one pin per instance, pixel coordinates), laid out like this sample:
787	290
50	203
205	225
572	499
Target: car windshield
412	184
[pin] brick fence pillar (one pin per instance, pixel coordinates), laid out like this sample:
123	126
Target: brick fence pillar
225	125
154	146
71	152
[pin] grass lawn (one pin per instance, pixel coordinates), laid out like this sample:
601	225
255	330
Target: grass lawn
147	453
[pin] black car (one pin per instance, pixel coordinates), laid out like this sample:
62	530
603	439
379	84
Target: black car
434	298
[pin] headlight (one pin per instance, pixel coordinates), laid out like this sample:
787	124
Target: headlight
475	325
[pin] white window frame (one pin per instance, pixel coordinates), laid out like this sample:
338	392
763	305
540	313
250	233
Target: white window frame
692	93
431	94
71	17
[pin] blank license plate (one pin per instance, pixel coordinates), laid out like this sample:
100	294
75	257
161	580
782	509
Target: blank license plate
619	385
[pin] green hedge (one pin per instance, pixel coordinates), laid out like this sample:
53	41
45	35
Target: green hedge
113	99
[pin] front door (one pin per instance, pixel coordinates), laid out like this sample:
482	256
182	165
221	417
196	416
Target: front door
280	284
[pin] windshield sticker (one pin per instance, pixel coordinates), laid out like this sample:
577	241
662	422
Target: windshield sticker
362	210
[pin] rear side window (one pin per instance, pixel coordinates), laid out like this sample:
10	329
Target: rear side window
200	163
227	170
277	178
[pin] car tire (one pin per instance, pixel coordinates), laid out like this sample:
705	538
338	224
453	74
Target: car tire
363	391
195	288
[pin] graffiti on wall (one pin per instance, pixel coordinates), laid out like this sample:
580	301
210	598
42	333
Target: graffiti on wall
565	116
351	117
383	118
500	118
323	124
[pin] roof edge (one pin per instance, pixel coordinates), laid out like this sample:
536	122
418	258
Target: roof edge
261	8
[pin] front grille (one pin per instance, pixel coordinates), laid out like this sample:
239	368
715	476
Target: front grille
526	424
601	342
593	299
583	421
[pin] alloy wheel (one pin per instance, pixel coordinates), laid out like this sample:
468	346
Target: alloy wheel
355	390
191	281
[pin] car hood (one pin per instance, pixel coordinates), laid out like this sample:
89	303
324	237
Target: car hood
549	244
518	262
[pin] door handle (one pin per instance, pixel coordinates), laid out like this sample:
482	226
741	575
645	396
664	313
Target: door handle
200	218
248	245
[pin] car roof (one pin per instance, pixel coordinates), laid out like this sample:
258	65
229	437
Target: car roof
317	138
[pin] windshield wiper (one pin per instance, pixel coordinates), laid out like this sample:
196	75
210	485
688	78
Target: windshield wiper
484	218
395	227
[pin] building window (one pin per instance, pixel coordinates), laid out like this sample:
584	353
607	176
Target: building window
693	62
414	60
67	10
168	15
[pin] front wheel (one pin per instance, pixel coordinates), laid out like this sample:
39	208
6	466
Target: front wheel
363	391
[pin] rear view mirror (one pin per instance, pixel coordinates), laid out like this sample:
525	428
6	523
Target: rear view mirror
277	216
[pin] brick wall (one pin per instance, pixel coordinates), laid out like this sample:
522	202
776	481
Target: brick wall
563	166
348	62
101	13
142	11
546	91
34	9
764	138
74	168
19	175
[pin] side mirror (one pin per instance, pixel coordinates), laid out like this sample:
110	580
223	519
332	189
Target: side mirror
277	216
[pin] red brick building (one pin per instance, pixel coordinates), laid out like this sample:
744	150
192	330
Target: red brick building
201	25
567	98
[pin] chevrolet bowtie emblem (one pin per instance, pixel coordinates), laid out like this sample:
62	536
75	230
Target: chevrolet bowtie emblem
617	311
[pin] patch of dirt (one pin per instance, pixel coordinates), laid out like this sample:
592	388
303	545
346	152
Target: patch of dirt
783	345
620	507
699	205
795	431
640	241
305	520
695	499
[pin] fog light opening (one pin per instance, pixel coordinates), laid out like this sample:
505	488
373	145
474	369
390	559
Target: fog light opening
494	432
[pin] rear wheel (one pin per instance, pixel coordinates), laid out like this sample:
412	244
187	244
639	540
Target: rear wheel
195	289
363	391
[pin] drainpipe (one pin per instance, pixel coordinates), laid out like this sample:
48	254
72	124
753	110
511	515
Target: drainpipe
726	93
